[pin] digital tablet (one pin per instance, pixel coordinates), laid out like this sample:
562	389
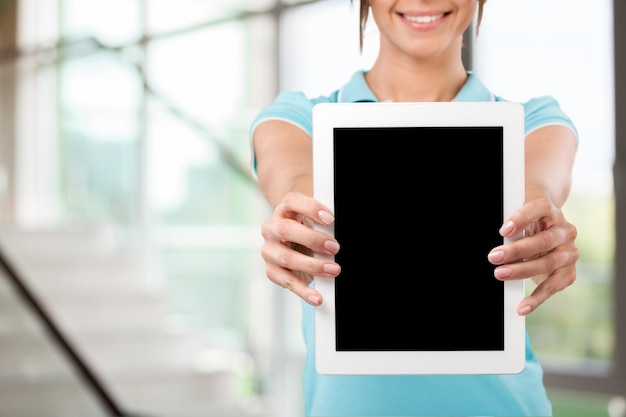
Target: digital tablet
419	192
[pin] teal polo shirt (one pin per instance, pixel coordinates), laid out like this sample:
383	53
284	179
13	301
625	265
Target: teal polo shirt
294	107
522	394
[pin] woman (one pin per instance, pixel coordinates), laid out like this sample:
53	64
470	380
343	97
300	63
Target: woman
419	60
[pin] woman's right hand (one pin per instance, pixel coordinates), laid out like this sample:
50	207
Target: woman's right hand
291	242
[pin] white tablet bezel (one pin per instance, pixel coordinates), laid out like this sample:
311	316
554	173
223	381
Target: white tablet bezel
508	115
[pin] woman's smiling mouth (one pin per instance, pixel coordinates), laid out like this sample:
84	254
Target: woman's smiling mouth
423	19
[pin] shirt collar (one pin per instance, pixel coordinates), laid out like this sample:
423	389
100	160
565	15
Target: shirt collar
357	90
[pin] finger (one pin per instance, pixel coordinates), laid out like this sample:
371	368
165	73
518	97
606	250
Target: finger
297	204
540	264
287	258
532	246
287	230
531	212
293	282
549	286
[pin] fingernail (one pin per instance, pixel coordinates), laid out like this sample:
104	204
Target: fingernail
496	256
503	272
314	299
331	268
524	310
325	217
507	228
332	246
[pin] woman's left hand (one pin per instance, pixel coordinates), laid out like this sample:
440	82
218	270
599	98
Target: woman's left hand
547	253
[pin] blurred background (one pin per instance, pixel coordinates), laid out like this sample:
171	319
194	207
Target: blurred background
131	282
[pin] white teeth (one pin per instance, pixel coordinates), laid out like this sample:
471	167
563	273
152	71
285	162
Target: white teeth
423	19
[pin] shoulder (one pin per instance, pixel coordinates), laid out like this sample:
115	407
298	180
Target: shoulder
293	107
542	111
297	108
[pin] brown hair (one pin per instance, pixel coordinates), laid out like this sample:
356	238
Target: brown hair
364	10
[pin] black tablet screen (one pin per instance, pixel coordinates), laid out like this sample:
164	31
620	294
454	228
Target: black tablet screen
417	211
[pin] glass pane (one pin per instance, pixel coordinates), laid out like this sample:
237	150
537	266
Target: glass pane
554	56
198	144
200	69
202	198
112	22
167	15
99	99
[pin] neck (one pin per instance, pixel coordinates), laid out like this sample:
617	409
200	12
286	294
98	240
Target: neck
412	79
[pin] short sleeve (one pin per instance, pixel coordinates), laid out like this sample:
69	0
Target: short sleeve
543	111
290	106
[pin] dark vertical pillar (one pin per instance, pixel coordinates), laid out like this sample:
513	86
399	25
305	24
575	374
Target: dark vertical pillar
619	283
8	78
